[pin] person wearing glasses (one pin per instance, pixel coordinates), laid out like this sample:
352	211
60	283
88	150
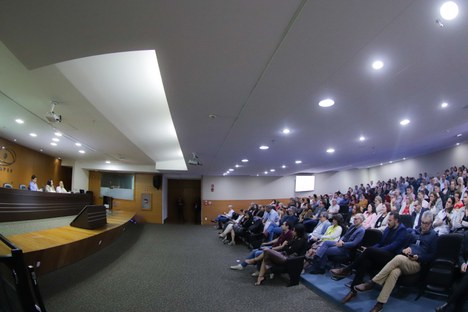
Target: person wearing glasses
421	251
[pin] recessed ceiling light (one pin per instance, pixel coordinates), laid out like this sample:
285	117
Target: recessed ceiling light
231	170
33	134
377	65
283	166
266	172
390	162
108	161
264	147
58	134
362	138
330	150
81	151
272	170
237	166
449	10
298	161
404	122
381	164
55	140
53	143
444	105
20	121
404	158
78	144
286	131
458	144
245	160
326	103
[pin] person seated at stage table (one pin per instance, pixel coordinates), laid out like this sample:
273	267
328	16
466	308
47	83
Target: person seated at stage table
376	257
456	300
61	188
33	184
296	247
342	248
276	244
421	251
50	186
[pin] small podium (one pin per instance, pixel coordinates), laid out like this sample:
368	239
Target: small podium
90	217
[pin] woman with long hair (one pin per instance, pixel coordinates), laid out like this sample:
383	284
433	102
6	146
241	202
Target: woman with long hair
296	247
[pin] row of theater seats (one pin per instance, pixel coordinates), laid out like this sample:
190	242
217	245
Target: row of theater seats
439	277
19	290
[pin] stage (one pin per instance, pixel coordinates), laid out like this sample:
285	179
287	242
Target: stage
49	244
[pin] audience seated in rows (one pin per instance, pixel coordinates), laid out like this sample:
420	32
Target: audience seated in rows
421	251
277	244
343	247
439	202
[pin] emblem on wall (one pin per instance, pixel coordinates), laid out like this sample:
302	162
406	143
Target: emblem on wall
7	156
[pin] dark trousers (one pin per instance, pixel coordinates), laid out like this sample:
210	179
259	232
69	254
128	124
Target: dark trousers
371	261
460	294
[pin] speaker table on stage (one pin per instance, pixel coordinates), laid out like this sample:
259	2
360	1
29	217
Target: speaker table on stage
91	217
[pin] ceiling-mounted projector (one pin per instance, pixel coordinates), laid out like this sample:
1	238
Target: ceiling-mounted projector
195	161
52	116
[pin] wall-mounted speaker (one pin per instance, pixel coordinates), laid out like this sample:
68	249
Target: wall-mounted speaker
157	180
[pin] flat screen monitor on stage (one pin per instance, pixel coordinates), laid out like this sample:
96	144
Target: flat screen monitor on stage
90	217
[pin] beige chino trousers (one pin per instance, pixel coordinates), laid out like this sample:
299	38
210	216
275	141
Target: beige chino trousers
389	274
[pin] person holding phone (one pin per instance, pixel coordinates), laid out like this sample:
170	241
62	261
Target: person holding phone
421	251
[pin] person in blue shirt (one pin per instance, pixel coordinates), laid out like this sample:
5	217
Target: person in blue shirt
394	238
351	240
33	183
421	251
275	229
270	220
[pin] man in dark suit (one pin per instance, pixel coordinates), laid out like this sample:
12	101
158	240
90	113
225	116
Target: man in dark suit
417	213
351	240
374	258
421	251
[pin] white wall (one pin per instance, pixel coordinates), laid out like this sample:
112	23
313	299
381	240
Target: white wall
80	178
238	188
433	164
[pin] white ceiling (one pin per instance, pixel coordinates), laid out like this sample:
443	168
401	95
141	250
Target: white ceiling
259	66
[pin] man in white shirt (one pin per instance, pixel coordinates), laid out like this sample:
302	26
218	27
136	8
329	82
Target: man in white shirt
333	209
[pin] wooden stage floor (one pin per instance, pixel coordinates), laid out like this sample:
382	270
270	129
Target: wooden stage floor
50	249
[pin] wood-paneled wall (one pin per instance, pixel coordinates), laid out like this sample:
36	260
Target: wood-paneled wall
143	184
28	162
212	208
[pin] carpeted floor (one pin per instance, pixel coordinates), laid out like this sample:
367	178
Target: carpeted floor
170	268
